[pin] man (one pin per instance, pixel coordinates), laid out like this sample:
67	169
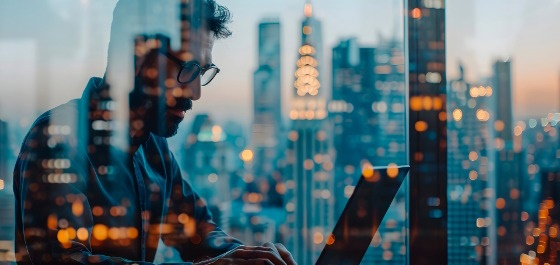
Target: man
83	198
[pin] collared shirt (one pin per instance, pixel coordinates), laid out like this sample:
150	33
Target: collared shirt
81	201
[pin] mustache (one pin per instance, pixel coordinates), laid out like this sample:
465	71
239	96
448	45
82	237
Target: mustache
183	104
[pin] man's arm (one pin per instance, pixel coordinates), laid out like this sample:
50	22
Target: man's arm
202	240
53	218
196	236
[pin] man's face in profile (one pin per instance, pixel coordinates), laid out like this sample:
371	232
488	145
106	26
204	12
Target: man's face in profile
178	96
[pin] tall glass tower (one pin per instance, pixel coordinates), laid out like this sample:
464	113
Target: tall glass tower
267	121
471	174
309	157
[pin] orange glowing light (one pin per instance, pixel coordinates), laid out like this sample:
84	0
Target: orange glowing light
443	116
317	238
427	103
62	236
392	170
254	197
280	188
480	222
502	231
387	255
308	164
416	103
473	156
529	240
247	155
82	234
473	175
500	203
514	194
330	240
100	232
518	130
482	115
457	114
308	10
293	135
499	125
524	216
328	166
549	204
132	232
52	222
421	126
77	208
367	171
418	156
438	103
183	218
541	249
97	211
113	233
553	231
416	13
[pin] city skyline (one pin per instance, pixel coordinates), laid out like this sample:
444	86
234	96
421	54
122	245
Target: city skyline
482	180
527	103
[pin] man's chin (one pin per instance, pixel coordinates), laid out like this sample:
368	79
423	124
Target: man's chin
171	128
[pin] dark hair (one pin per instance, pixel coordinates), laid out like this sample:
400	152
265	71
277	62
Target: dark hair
133	17
217	16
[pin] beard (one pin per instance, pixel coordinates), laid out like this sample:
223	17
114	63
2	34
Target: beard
171	125
162	122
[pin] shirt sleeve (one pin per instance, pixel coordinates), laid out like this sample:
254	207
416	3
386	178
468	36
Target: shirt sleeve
196	237
53	219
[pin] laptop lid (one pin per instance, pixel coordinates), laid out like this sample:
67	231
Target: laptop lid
362	216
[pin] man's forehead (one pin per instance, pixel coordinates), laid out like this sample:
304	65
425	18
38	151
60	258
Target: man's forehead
200	40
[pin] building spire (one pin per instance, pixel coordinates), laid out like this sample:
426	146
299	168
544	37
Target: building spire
308	8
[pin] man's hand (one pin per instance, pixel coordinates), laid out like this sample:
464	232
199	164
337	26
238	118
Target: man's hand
267	254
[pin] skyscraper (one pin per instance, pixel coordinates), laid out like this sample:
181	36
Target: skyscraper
309	158
7	221
503	90
511	170
367	112
267	122
471	174
5	175
427	132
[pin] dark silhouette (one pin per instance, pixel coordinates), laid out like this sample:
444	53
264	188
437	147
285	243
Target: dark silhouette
83	198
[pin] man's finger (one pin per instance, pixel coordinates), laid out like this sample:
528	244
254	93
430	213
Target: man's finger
260	262
231	261
258	254
285	254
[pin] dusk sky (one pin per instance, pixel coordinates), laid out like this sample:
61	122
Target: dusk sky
478	33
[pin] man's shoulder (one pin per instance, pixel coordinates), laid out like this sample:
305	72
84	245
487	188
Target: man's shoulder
64	114
60	124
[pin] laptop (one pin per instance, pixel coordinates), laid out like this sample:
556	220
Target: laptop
362	216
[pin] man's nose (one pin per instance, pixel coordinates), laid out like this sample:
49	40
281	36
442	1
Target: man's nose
193	90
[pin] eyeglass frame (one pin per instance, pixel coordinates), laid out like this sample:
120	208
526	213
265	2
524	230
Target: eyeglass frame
201	70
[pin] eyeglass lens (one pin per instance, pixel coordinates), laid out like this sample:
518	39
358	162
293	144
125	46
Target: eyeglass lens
208	75
188	73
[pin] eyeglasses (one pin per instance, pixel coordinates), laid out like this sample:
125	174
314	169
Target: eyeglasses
191	70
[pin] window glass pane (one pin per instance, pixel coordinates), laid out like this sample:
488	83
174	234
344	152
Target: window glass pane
503	69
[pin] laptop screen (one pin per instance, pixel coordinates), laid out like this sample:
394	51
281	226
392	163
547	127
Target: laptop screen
362	216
